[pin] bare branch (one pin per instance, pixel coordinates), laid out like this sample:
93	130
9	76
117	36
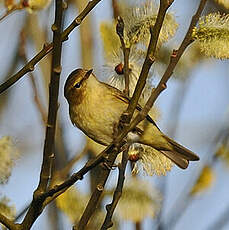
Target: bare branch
117	194
8	223
175	57
48	48
122	133
48	153
126	53
36	98
155	31
79	175
93	202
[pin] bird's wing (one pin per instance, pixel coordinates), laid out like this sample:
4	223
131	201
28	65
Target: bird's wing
119	95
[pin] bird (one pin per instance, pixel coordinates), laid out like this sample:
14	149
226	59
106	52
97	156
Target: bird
95	108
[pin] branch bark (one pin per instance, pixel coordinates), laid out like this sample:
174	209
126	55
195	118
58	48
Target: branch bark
126	117
48	154
117	194
175	57
48	47
8	223
92	204
150	57
126	53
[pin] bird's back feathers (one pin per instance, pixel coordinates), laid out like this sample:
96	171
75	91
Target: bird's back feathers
170	148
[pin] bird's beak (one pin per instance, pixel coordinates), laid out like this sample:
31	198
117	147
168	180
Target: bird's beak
88	74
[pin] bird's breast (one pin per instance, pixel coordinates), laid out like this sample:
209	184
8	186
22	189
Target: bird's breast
97	117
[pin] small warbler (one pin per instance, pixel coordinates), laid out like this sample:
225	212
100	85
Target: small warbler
95	108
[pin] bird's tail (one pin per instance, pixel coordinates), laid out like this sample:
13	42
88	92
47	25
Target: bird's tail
170	148
179	154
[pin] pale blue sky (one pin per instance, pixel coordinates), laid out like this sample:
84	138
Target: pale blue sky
203	114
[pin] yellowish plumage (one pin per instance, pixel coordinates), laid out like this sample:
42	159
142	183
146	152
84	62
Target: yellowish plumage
96	107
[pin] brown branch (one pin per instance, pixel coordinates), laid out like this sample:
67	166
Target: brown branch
93	202
8	223
36	97
126	117
126	54
53	98
175	57
155	31
48	155
48	47
117	194
78	175
58	174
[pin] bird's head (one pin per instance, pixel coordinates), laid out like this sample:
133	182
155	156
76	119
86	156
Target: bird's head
76	85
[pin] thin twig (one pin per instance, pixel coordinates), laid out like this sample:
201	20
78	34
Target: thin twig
48	47
36	98
126	117
48	155
117	194
8	223
150	57
175	57
93	202
126	53
78	175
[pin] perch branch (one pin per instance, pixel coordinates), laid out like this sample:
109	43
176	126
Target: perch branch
91	206
175	57
149	60
78	175
48	153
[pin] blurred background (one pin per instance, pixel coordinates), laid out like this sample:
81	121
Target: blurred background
193	110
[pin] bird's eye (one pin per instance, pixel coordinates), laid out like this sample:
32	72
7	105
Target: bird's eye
77	85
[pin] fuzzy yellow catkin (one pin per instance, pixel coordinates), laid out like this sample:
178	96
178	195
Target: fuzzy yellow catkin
212	33
8	155
223	153
72	203
140	18
139	200
204	181
147	160
6	209
109	37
